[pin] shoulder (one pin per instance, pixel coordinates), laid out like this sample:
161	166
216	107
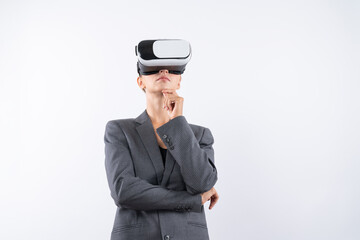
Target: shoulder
197	128
202	132
116	129
120	123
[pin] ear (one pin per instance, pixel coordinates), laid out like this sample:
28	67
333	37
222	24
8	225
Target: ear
139	81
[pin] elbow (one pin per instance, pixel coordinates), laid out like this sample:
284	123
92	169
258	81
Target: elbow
117	200
203	186
120	202
210	182
118	195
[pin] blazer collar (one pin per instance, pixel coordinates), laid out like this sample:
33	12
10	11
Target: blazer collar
147	134
143	117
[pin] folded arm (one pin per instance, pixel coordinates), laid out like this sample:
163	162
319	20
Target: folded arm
129	191
196	159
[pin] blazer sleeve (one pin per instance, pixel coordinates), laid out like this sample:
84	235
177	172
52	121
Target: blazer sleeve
129	191
196	159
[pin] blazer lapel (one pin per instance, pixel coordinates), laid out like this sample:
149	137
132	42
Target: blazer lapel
148	137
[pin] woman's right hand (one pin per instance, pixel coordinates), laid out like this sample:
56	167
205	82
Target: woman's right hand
210	195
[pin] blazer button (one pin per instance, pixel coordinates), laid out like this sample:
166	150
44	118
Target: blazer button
164	136
166	237
172	147
168	140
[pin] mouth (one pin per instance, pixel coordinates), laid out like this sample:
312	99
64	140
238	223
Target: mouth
164	79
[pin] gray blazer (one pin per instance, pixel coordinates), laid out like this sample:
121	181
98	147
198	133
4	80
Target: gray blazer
156	201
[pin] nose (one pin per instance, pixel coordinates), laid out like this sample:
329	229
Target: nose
164	71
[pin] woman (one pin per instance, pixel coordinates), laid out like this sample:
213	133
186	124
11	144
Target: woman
160	169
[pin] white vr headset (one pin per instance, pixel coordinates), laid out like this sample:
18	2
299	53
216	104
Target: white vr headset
170	54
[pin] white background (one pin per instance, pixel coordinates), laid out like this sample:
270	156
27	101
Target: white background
277	82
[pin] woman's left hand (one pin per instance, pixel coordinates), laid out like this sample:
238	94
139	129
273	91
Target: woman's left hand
173	103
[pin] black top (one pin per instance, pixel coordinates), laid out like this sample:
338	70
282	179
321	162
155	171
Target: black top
163	153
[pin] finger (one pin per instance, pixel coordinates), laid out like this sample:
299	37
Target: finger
212	203
172	104
169	104
164	102
173	98
214	200
170	92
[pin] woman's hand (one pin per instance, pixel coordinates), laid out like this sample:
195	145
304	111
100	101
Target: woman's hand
173	103
210	195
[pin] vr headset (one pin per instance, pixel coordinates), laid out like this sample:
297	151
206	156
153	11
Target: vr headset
170	54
